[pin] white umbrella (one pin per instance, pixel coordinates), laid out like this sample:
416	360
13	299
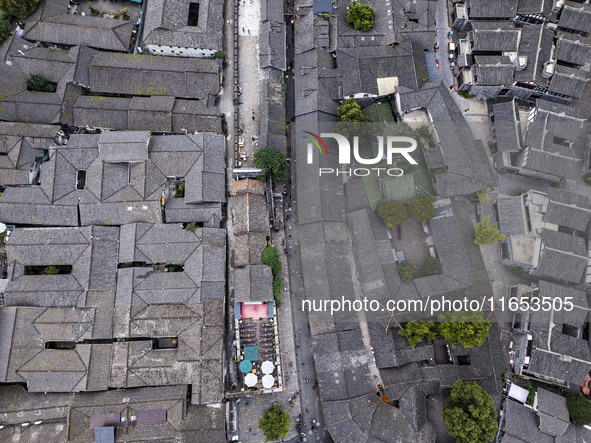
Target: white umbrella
268	381
250	380
267	367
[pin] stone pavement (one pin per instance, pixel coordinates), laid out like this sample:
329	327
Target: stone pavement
249	18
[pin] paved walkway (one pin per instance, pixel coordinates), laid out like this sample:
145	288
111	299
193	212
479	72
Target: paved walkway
249	18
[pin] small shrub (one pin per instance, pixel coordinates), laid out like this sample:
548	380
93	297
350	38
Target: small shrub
39	84
180	190
125	14
277	286
432	266
192	227
93	11
51	270
407	271
464	94
219	55
270	257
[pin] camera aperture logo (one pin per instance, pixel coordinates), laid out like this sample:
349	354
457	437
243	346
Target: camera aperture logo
396	147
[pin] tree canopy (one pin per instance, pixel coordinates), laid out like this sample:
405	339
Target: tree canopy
467	328
407	271
485	234
392	213
432	266
5	29
421	208
21	9
274	423
40	84
350	111
270	257
579	408
417	331
469	413
272	160
361	16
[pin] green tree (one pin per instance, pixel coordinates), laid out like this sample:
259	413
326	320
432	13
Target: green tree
272	160
407	271
277	286
467	328
270	257
417	331
484	195
21	9
432	266
350	111
361	16
39	84
192	227
485	235
392	213
579	408
274	423
469	413
421	208
5	29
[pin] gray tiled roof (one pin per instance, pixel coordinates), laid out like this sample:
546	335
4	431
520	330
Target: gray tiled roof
117	192
141	301
166	24
511	215
554	417
564	257
486	9
573	48
129	146
153	75
507	127
495	36
51	23
576	16
568	81
522	424
563	211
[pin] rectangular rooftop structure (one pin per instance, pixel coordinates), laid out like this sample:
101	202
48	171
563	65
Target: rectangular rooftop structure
128	146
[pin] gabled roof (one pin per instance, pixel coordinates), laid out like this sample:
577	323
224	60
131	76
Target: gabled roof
568	81
507	127
495	36
166	24
120	186
511	215
480	9
554	417
573	48
153	75
576	16
564	257
568	209
129	146
51	23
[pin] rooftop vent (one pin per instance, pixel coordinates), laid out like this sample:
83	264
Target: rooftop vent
521	62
